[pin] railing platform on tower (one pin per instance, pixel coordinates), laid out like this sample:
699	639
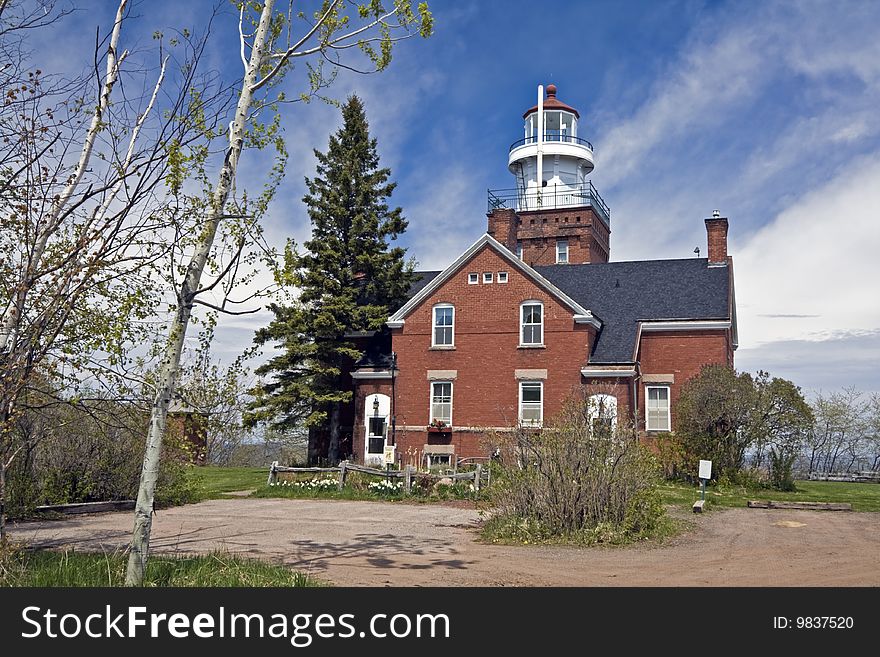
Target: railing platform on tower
551	197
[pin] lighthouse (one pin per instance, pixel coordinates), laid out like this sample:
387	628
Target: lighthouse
554	214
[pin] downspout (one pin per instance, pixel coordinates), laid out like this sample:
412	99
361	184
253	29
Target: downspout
635	394
393	415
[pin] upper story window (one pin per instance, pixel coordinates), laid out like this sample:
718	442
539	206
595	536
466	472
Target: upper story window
532	323
441	402
561	251
487	277
519	250
502	277
473	278
531	403
444	326
657	408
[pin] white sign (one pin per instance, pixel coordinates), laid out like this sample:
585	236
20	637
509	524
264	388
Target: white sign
389	454
705	469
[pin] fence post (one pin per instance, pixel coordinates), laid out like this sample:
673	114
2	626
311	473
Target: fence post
342	475
273	475
478	476
407	479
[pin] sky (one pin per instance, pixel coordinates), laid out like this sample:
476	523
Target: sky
766	111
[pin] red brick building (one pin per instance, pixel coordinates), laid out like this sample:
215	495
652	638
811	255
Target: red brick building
534	311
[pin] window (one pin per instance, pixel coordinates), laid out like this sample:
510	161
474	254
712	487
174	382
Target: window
487	277
602	411
376	435
473	278
532	323
444	326
531	403
519	249
657	403
502	277
441	402
561	251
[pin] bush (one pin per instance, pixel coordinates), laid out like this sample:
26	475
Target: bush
578	480
96	457
751	479
781	477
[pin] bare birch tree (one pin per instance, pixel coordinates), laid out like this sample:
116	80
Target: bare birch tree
278	41
82	166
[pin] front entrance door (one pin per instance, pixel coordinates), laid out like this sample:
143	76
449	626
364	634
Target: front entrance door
376	412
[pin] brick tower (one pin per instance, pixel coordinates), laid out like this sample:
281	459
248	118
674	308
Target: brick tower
554	215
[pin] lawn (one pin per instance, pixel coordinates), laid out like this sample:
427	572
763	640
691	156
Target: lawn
863	497
49	568
214	481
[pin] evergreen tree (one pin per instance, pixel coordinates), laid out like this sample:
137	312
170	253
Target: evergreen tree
348	278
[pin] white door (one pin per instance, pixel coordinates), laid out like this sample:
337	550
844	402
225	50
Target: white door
377	409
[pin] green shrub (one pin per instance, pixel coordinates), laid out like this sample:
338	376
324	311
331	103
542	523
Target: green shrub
577	480
781	463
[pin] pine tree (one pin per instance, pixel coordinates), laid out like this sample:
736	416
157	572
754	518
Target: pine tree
348	278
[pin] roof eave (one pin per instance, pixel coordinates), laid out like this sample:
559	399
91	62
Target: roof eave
581	314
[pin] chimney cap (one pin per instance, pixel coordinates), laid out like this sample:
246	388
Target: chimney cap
716	214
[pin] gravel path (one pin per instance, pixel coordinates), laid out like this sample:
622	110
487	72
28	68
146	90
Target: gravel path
382	544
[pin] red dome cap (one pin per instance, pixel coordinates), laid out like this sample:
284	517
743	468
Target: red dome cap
552	103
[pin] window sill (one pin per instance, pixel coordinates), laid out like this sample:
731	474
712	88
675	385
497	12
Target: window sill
531	346
442	347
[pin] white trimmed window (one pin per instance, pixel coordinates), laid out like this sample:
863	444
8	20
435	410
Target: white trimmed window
444	326
473	278
657	408
561	252
602	411
531	403
531	323
502	277
519	250
441	402
487	277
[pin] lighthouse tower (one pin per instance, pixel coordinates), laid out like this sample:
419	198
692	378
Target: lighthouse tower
553	215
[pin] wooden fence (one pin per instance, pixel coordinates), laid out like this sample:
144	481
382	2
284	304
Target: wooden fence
407	474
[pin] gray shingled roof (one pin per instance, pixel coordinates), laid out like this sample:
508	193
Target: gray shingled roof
623	293
424	277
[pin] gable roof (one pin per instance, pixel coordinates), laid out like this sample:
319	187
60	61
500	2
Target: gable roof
625	294
581	314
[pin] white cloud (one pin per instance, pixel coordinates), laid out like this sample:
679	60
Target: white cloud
818	257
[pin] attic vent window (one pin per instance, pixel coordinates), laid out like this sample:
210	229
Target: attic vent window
473	278
502	277
487	277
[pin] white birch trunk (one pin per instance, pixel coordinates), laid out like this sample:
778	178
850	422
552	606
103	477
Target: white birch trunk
170	365
11	316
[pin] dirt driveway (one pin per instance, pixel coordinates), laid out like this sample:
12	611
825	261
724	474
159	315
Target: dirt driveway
382	544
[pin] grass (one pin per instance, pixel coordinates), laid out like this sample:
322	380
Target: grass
863	497
48	568
509	530
214	482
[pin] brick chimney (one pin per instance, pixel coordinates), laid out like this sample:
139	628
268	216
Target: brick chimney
502	226
716	233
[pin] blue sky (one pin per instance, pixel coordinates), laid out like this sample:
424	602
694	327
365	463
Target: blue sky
765	111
